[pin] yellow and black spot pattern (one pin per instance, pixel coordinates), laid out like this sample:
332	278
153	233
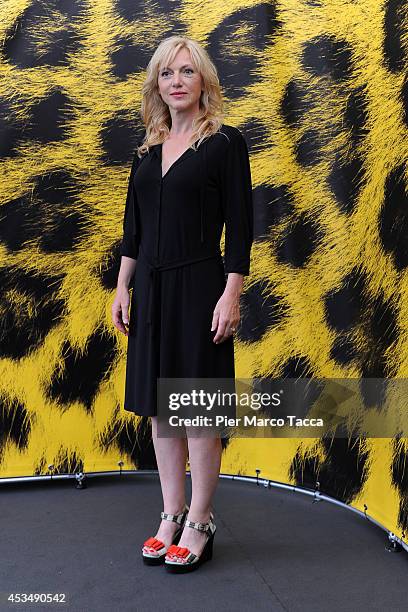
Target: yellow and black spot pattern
320	91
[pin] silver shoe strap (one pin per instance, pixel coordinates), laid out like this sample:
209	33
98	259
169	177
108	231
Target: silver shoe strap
175	518
210	526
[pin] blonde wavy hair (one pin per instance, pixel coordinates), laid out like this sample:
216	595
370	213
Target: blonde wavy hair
155	113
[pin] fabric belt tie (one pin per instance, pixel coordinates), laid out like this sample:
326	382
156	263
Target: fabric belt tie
155	269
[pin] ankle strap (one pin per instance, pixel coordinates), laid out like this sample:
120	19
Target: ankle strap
176	518
210	526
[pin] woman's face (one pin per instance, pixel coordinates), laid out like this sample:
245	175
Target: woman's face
180	77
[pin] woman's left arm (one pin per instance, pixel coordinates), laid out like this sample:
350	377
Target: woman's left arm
238	216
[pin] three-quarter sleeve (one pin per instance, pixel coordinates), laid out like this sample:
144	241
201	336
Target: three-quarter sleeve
237	205
131	219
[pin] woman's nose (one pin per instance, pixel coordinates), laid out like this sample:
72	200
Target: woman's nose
176	78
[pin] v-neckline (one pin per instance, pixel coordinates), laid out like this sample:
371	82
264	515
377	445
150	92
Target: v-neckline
175	161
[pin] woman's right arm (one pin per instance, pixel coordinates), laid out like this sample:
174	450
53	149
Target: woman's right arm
121	303
129	251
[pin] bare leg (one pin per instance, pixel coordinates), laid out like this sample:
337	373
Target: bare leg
205	461
171	456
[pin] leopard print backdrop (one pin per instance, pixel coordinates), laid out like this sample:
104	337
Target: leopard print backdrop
320	92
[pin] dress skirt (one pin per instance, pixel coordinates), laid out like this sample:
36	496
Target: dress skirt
176	340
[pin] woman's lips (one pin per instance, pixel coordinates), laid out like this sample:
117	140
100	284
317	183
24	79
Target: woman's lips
176	95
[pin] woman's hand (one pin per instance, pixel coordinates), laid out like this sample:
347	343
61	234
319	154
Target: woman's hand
226	316
120	306
120	309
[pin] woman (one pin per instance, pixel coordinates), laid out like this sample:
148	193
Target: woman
189	177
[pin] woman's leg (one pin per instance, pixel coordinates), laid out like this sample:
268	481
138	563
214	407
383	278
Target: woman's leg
205	462
171	456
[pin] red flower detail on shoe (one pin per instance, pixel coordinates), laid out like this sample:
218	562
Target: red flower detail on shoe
154	543
177	551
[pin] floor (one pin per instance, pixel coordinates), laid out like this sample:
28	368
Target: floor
273	550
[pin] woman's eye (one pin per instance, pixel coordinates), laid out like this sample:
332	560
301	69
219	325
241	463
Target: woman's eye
166	72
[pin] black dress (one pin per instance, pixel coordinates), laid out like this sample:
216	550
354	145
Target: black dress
172	226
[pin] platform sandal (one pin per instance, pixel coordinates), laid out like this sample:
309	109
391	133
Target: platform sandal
159	549
179	560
